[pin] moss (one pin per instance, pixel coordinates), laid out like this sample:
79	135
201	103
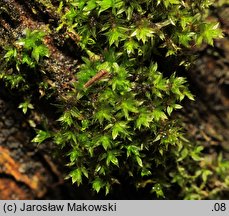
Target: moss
116	111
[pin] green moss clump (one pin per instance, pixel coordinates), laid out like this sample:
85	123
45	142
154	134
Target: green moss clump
117	120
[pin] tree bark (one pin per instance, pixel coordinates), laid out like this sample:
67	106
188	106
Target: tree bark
25	171
207	118
28	171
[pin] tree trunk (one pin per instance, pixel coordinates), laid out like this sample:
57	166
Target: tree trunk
28	171
207	119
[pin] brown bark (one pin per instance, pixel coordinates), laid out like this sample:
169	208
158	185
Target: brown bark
23	173
207	118
28	171
16	16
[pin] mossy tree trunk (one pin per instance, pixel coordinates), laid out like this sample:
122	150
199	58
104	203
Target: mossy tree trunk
207	119
28	171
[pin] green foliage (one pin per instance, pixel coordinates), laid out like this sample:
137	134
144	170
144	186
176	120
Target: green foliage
121	122
25	53
208	178
208	31
118	118
28	50
25	106
41	136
